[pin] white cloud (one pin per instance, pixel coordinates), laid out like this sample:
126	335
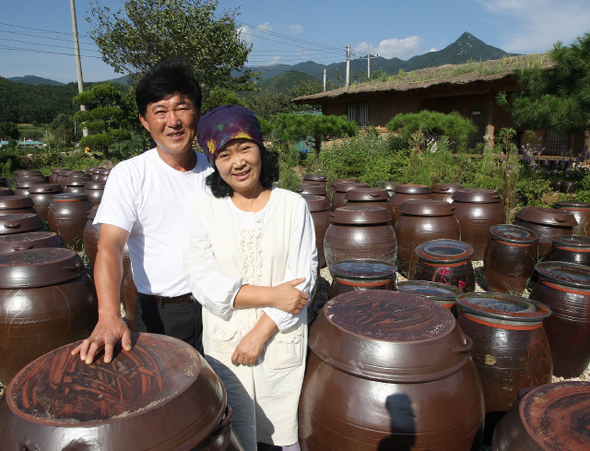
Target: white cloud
535	25
296	28
390	48
273	61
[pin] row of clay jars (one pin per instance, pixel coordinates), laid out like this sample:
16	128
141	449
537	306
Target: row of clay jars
67	217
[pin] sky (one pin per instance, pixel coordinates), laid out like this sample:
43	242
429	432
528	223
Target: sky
36	35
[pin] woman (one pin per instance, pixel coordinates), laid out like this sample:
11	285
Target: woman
251	261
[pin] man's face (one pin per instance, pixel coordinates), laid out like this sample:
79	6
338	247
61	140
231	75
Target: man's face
172	122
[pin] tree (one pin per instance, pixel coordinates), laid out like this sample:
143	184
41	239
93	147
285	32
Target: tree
557	98
134	40
104	117
312	128
8	131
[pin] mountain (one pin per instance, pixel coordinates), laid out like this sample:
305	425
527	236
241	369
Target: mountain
34	80
283	83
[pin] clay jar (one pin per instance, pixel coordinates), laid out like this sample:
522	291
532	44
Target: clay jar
340	190
568	187
509	259
46	301
29	240
510	346
386	185
103	175
389	370
569	248
321	179
55	173
565	289
21	186
546	223
319	207
10	205
314	190
161	395
20	223
94	191
370	197
5	191
445	191
446	261
552	417
477	210
360	232
67	217
406	192
75	184
437	292
339	181
361	275
42	196
420	221
581	211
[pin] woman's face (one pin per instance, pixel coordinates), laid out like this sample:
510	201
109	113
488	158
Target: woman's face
240	165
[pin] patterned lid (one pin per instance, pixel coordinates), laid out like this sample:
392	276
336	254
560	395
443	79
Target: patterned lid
502	306
513	233
570	274
363	269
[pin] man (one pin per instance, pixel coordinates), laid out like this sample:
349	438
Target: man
146	204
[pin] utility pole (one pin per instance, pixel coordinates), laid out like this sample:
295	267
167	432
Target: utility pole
78	62
325	79
368	58
347	64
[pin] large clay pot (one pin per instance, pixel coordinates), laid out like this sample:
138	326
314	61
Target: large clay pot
321	179
361	275
29	240
581	211
5	191
565	289
75	184
552	417
509	259
446	261
408	191
94	191
377	197
42	196
445	191
67	217
161	395
510	346
340	190
389	370
569	248
339	181
477	210
422	220
17	204
440	293
568	187
46	301
21	186
360	232
546	223
313	190
319	207
20	223
55	173
388	185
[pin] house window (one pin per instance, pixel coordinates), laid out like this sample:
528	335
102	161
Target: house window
555	143
477	114
358	112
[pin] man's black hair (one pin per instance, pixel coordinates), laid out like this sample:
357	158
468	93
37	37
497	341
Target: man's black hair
168	77
269	174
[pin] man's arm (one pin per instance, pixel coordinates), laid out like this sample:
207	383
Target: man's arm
108	273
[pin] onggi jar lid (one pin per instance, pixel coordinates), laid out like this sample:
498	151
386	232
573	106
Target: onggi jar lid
29	240
578	206
513	233
316	203
435	291
15	202
363	269
447	251
556	415
94	185
347	186
410	188
389	336
506	307
20	222
367	195
39	267
67	197
315	177
316	190
389	185
426	207
565	273
45	188
477	195
547	216
571	241
446	188
360	215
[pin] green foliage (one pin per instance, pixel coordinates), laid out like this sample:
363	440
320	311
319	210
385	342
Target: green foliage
8	130
267	104
219	97
314	129
133	40
429	127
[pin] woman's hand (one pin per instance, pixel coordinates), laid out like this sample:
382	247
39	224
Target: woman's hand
250	347
288	298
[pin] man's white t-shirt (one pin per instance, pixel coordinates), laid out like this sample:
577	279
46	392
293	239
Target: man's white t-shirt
152	201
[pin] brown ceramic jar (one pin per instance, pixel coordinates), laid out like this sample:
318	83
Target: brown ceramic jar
5	191
67	217
446	261
568	187
445	191
552	417
55	173
388	185
11	205
509	259
440	293
369	197
565	289
319	207
21	186
361	275
569	248
360	232
406	192
161	395
42	196
94	190
103	175
581	211
313	190
20	223
75	185
340	181
477	210
422	220
389	370
317	178
340	190
46	301
546	223
510	346
29	240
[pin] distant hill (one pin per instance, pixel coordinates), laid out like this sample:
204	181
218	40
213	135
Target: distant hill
283	83
34	80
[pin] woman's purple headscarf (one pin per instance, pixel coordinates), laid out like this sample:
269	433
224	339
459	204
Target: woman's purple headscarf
224	123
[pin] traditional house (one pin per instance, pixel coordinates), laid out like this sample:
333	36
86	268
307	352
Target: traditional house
469	89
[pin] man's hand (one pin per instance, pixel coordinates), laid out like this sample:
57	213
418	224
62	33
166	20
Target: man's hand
105	335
